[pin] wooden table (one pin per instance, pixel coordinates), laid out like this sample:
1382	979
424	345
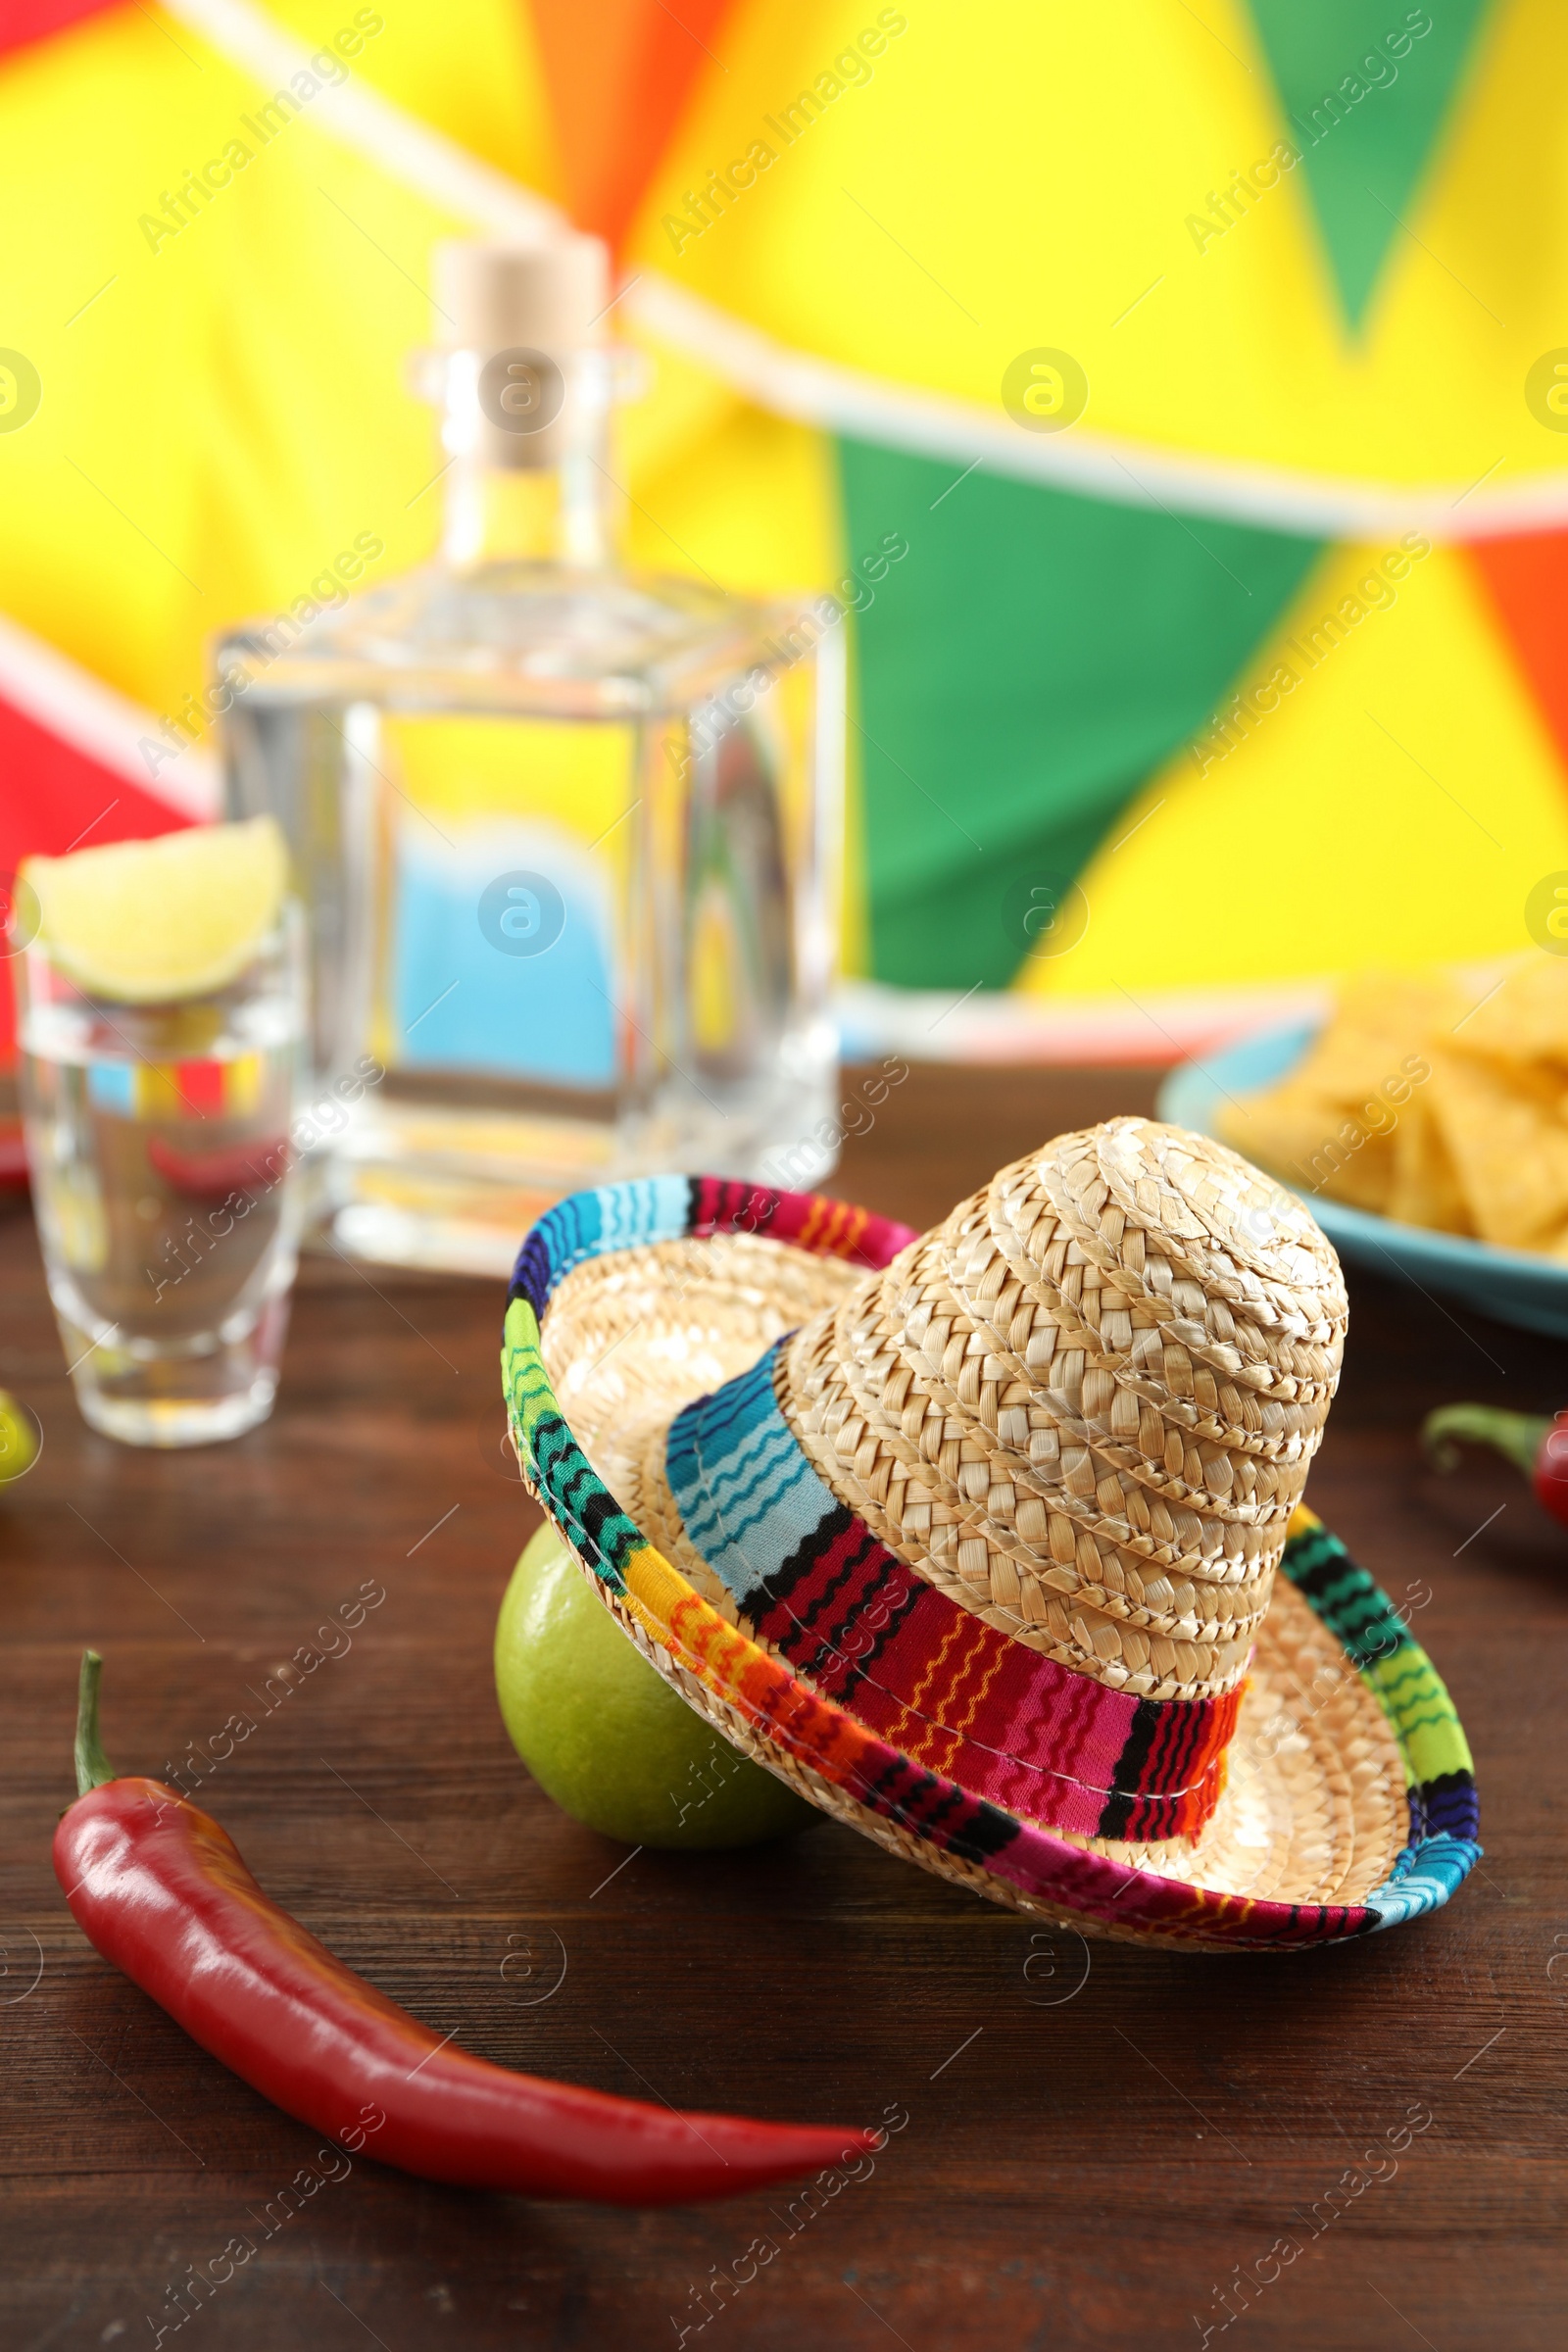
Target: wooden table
1087	2156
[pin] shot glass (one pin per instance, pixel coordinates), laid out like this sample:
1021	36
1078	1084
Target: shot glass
159	1140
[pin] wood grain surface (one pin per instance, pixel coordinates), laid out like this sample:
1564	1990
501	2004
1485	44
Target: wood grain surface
1098	2141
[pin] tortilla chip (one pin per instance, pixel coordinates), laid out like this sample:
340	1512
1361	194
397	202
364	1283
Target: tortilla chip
1525	1020
1507	1137
1312	1141
1376	1029
1422	1102
1426	1188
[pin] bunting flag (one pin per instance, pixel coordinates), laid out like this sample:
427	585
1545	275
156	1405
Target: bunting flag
1179	418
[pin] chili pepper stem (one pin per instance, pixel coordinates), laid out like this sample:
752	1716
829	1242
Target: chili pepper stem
93	1767
1518	1435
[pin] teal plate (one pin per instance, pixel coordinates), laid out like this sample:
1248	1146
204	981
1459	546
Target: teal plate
1509	1284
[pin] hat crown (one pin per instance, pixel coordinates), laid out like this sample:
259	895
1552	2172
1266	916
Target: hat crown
1084	1405
1203	1209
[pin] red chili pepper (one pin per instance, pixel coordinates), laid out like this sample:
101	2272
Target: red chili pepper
160	1890
13	1155
214	1175
1535	1442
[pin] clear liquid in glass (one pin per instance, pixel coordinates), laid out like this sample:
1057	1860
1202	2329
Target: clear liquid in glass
167	1207
567	839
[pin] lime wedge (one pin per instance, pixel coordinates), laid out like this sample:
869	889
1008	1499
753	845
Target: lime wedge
149	922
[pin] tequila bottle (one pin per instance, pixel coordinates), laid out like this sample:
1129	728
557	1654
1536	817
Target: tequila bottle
567	837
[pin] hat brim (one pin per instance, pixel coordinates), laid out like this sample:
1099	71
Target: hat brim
1349	1803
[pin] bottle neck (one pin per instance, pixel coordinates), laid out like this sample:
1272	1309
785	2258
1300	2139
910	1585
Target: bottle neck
528	481
559	514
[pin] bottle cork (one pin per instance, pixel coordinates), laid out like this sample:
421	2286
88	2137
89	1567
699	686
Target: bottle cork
528	313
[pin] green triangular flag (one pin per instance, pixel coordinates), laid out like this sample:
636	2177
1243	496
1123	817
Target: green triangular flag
1019	679
1366	85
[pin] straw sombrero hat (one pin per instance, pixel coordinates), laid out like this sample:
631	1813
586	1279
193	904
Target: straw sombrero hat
973	1538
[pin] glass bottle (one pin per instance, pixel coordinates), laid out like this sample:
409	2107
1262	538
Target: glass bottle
569	838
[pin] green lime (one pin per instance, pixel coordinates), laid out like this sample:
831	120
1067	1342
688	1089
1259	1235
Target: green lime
605	1735
18	1447
151	921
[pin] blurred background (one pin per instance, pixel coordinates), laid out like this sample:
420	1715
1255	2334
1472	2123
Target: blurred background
1193	355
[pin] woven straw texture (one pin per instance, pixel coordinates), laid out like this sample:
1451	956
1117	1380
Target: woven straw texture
1130	1336
1085	1404
971	1403
698	1310
1314	1807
